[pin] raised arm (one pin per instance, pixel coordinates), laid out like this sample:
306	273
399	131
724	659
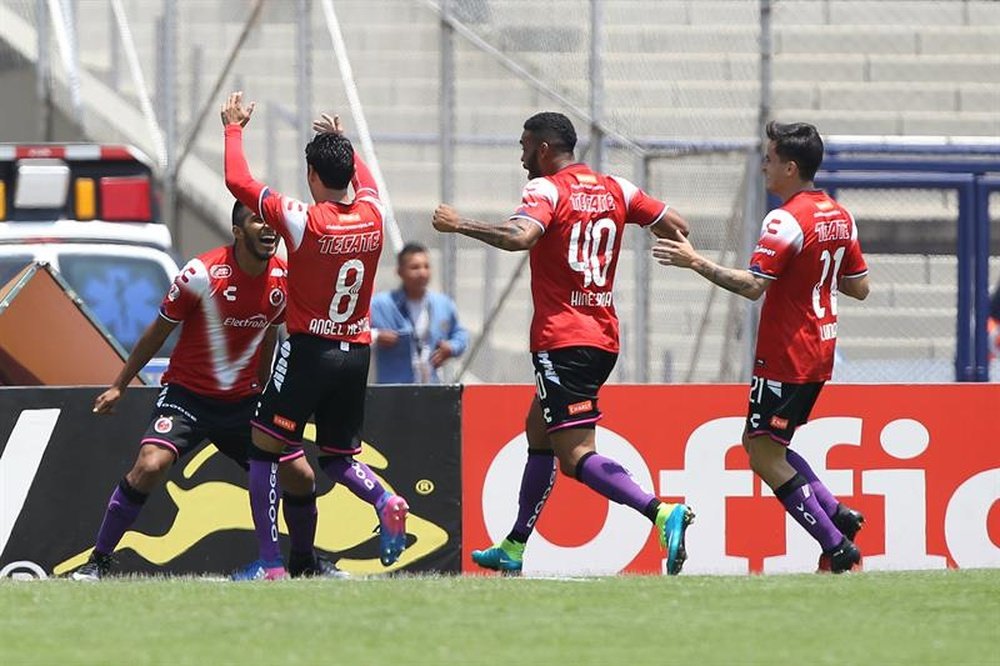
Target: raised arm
514	235
238	177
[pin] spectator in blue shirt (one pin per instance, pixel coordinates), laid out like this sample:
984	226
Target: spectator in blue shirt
415	330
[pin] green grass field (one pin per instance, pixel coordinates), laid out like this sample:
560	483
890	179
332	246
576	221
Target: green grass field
949	617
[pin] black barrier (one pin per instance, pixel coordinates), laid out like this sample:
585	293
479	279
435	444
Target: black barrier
59	464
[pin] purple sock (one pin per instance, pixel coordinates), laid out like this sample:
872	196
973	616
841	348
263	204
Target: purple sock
123	508
300	515
822	493
799	500
357	476
536	483
610	479
264	493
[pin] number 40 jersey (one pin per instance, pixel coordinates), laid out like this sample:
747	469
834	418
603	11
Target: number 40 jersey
583	215
806	247
333	252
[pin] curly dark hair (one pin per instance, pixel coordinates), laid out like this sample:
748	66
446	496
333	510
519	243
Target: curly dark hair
332	157
553	128
799	143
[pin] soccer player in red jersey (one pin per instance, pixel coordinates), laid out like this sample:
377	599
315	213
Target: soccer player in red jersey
322	369
808	253
572	221
230	300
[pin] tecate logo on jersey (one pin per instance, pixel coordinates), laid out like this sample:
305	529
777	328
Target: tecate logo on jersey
350	243
220	271
256	321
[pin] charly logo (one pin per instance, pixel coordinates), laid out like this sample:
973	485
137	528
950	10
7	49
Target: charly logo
345	521
620	540
174	292
163	425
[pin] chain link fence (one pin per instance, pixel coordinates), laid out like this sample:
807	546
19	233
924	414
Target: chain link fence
672	101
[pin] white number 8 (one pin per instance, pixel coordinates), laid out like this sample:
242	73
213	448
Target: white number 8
343	290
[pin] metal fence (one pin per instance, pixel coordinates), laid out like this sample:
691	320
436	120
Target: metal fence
668	93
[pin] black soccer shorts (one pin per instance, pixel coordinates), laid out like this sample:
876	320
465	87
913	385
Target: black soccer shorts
778	408
325	379
183	419
567	381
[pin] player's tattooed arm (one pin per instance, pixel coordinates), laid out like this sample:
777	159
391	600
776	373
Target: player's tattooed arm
678	251
513	235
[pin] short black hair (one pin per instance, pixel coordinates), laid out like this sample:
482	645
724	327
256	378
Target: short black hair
553	128
412	247
332	157
241	214
799	143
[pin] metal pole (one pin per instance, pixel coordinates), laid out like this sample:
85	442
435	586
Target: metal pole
449	248
755	188
641	346
597	83
303	68
43	81
212	100
114	49
195	96
168	104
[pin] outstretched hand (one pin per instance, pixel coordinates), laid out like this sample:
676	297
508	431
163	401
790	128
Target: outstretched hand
233	111
105	403
676	251
327	125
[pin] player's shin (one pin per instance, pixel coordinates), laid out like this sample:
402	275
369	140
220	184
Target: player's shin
799	500
537	480
355	475
265	490
123	508
822	493
300	516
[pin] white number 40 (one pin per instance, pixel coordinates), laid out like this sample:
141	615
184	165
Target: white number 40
587	259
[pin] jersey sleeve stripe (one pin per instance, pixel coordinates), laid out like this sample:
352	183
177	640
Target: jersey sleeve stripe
659	217
856	275
170	319
530	219
762	274
260	201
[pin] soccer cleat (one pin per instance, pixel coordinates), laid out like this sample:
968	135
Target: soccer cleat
849	522
96	568
392	511
260	570
844	557
507	557
672	521
312	566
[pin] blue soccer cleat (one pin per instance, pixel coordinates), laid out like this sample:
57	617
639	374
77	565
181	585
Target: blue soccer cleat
392	511
672	521
261	570
507	557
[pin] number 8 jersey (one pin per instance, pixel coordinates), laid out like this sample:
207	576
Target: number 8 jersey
583	215
333	252
806	247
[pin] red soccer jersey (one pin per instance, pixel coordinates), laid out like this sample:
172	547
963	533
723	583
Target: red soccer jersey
583	215
806	247
225	313
333	252
333	248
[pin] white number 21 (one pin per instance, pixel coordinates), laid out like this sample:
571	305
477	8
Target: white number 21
817	290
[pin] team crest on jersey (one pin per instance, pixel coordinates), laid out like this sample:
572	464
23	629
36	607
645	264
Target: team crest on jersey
221	271
174	292
277	297
163	425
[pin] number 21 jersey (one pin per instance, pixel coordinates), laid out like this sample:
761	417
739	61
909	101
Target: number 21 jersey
806	247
